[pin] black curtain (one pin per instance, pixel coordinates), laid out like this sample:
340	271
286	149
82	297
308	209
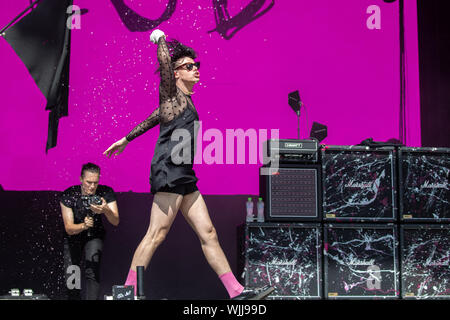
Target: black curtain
42	41
434	70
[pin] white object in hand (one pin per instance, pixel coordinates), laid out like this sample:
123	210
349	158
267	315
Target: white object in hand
156	34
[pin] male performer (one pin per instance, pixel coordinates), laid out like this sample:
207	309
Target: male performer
173	182
82	208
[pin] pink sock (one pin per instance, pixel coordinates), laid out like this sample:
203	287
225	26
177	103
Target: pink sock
132	279
233	287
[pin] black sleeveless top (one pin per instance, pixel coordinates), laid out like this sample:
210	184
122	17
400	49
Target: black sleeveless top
173	159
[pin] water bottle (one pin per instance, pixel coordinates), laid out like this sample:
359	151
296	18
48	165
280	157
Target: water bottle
260	206
249	205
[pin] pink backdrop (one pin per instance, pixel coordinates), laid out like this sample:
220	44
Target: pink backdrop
347	75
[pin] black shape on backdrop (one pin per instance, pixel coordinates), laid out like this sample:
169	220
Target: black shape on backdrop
42	41
135	22
225	23
31	6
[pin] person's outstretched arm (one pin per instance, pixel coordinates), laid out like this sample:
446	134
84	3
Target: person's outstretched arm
118	146
144	126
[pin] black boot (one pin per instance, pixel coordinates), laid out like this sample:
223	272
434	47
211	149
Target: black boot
255	294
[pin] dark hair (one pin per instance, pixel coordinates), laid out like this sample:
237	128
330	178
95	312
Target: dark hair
178	50
91	167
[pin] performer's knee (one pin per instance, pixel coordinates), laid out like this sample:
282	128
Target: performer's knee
209	235
157	236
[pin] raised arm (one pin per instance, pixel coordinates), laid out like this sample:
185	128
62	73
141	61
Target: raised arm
169	105
167	87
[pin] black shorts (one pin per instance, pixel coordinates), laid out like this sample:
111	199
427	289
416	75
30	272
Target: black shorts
182	189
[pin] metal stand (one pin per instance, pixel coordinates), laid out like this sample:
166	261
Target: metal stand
140	283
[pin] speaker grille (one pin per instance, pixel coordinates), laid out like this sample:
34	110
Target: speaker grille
292	193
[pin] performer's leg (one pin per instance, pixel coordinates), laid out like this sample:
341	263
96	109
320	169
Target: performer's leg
196	213
164	210
93	252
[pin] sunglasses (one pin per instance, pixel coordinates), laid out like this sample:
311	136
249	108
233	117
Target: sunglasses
190	66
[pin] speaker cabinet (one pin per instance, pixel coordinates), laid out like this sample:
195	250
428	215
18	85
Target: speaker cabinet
425	259
285	256
361	261
291	193
359	184
424	184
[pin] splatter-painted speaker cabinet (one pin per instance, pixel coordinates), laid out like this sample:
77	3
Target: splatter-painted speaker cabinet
359	184
361	261
424	184
285	256
425	260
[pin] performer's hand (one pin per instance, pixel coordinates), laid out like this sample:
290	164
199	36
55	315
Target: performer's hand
156	34
89	222
99	209
117	148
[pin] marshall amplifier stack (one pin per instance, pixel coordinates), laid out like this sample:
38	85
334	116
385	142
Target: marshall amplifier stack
359	186
351	222
287	256
424	210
